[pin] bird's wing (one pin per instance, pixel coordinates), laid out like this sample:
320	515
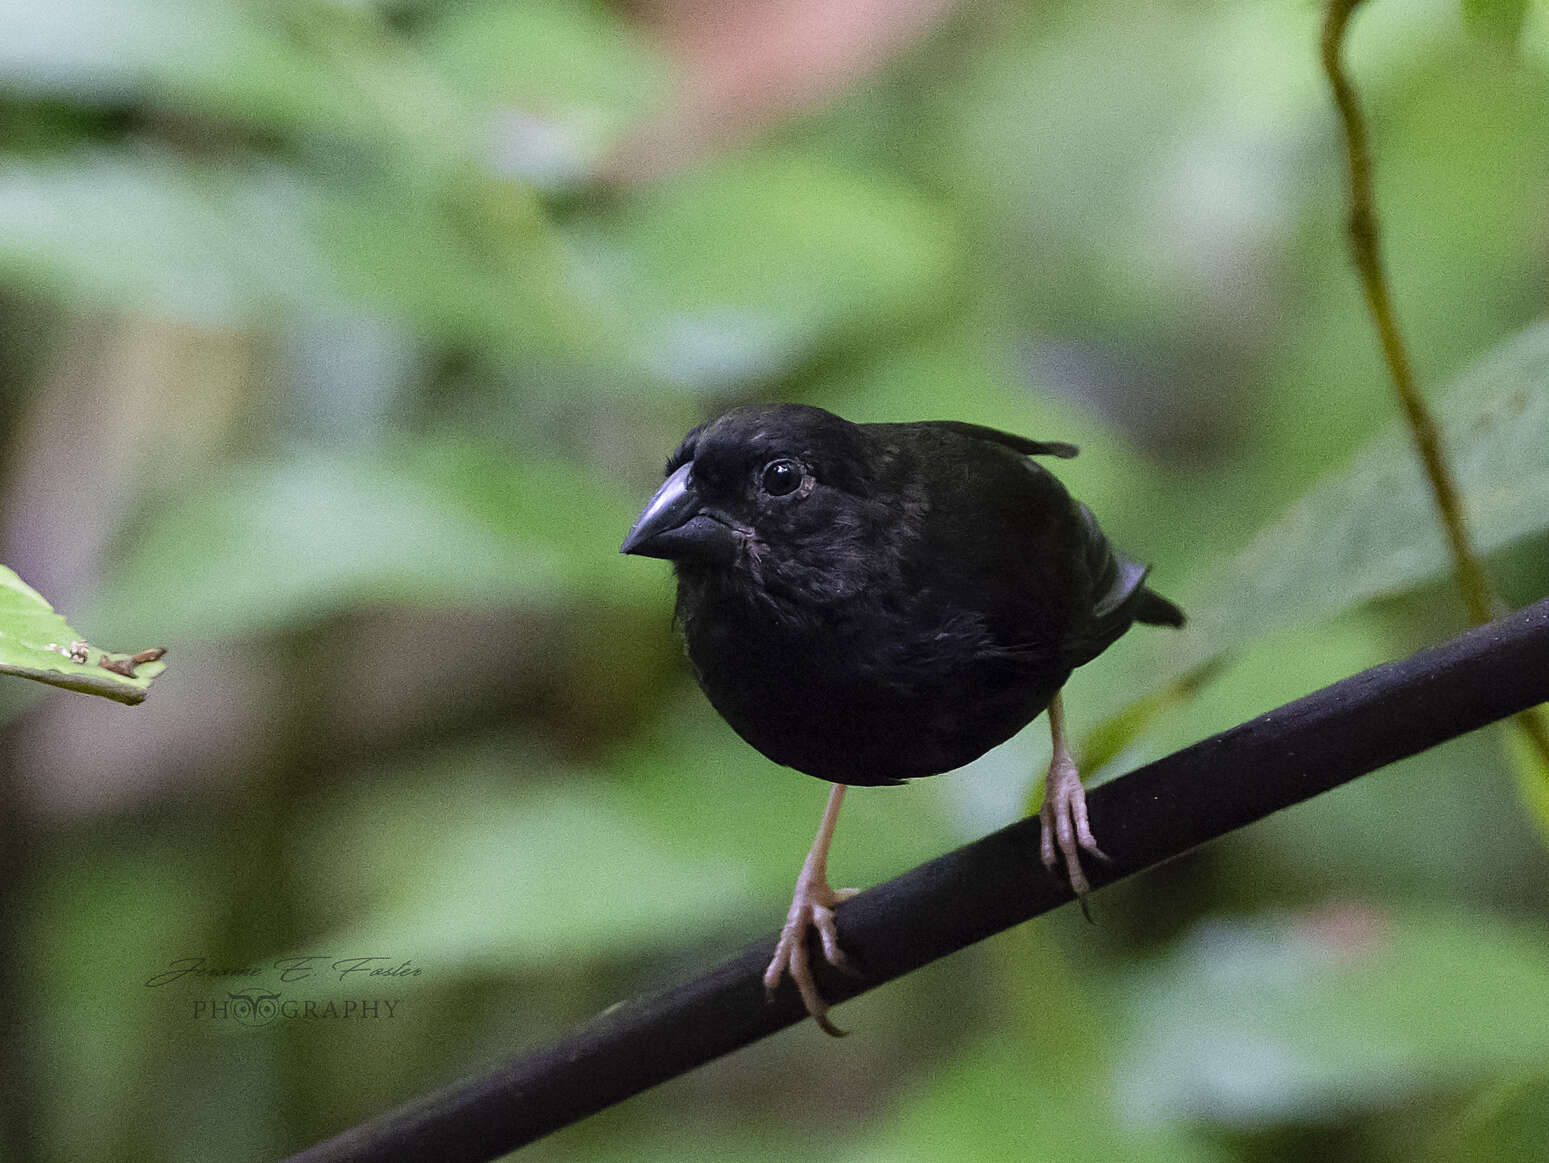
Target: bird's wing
1007	439
1005	538
1115	575
1117	590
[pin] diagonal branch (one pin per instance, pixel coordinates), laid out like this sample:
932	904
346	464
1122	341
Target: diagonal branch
1158	812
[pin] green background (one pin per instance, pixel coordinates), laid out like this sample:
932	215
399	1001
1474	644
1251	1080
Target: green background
340	344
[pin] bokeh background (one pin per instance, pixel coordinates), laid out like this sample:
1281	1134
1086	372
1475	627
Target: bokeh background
340	341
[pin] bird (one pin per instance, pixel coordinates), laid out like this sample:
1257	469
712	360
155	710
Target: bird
873	603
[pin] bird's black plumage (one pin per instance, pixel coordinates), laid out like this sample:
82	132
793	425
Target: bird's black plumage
868	603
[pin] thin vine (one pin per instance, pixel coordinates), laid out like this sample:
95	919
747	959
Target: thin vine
1365	234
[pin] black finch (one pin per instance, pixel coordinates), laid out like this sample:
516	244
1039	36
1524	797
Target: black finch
870	603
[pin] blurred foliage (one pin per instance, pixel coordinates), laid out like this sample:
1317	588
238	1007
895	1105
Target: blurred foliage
339	343
1369	529
438	522
1527	760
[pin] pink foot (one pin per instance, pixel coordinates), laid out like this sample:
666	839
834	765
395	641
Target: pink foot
811	908
1065	825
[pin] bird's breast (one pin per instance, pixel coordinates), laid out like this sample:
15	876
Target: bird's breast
862	693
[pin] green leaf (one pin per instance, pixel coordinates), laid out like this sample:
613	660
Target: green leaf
476	263
146	895
472	864
1110	738
1507	1122
37	643
303	65
1313	1016
963	1113
242	244
562	81
442	523
128	49
737	272
1497	20
213	244
1054	1057
1370	529
695	778
1525	754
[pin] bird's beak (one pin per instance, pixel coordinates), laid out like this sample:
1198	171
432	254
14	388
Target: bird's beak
674	525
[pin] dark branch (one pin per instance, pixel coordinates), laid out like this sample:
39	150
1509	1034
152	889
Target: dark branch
1151	815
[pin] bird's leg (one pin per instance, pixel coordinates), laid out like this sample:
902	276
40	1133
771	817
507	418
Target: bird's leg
812	907
1065	824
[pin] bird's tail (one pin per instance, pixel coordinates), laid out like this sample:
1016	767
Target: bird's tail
1154	610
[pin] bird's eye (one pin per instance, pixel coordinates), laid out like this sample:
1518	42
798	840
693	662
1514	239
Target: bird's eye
781	477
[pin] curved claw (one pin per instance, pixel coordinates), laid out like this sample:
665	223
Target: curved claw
1066	830
811	908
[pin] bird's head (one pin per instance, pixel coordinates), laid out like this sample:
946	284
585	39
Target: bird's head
787	495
